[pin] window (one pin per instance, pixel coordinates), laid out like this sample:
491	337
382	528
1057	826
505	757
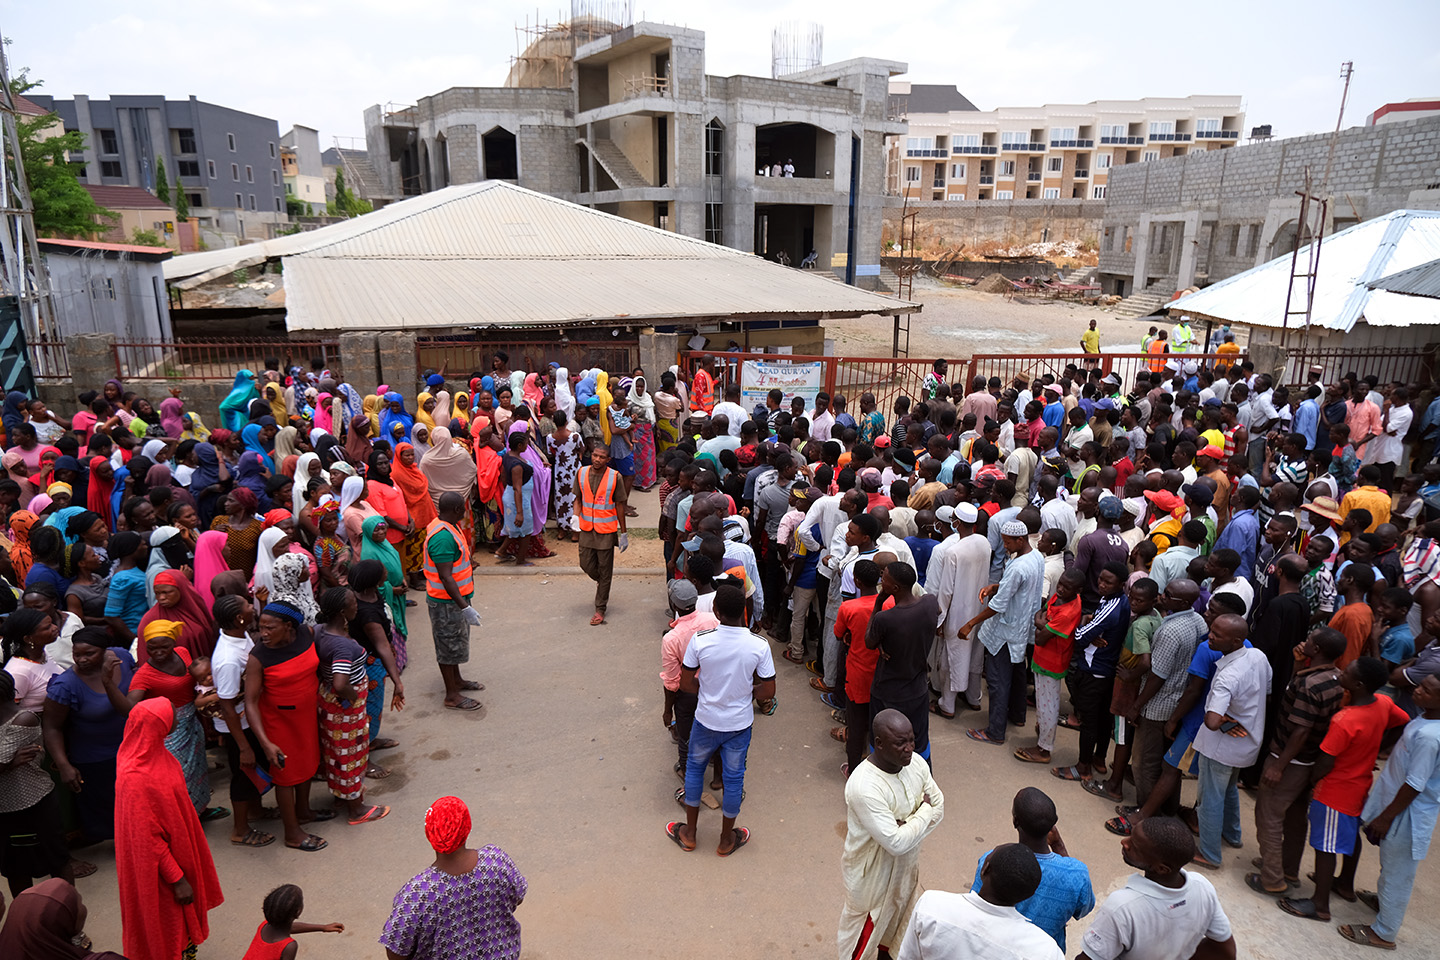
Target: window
1206	125
1102	161
278	206
188	168
289	189
957	171
230	138
1015	136
109	143
111	168
186	138
102	288
1159	128
1097	193
239	202
210	168
919	143
195	200
1051	193
714	223
249	174
714	150
275	177
912	174
1234	242
1062	133
939	180
962	140
235	172
1007	168
252	201
1054	164
272	149
1151	155
1004	194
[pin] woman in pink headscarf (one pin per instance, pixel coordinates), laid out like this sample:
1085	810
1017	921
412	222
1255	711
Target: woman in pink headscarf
170	410
540	495
533	392
323	419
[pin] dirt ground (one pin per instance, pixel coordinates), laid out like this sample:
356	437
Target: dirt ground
958	322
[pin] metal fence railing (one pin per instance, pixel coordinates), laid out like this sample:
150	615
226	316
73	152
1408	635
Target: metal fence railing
885	377
1389	364
1010	366
49	359
460	357
216	358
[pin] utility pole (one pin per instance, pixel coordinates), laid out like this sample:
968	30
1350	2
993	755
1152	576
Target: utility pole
22	272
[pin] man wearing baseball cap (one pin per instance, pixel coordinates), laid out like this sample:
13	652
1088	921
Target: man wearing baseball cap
1210	462
959	570
680	705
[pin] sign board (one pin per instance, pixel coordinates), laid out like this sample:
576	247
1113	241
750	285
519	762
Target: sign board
795	379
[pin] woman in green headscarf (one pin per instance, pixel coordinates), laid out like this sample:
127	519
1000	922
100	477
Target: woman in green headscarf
374	546
234	409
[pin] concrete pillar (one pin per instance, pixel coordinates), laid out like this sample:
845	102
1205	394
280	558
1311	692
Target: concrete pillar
1141	248
1189	250
397	363
657	354
92	359
1269	358
358	362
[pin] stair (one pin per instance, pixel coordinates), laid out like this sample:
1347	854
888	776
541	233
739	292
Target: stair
616	164
360	175
1148	301
1079	275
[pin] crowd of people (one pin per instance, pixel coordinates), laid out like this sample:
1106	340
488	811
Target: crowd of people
1208	572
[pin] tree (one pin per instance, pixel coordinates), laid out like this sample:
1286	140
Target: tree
162	183
182	203
146	238
62	206
342	195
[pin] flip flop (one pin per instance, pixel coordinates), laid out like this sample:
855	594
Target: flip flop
376	773
935	709
672	830
1097	788
829	700
310	844
255	838
598	619
1071	773
213	813
371	815
980	736
1304	909
468	685
319	816
1024	756
680	796
1362	934
384	743
1253	881
1120	826
1333	892
742	837
787	656
465	704
1200	861
1370	898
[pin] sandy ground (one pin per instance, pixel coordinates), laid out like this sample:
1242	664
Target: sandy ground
569	770
958	322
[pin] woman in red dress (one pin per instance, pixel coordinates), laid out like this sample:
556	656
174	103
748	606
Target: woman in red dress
166	876
282	699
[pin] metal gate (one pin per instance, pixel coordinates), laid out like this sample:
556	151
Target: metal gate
15	372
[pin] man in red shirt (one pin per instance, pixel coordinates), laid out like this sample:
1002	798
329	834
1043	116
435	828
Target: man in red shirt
1342	778
850	625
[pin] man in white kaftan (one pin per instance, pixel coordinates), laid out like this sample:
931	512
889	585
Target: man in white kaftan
959	570
892	804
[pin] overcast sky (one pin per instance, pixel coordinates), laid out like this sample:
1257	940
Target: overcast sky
321	64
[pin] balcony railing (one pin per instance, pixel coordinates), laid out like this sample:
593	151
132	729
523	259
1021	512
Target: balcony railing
1033	176
1023	147
1129	141
1217	135
1072	144
986	180
973	150
925	153
1082	174
1171	137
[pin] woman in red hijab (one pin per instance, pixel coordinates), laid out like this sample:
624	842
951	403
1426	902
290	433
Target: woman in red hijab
102	485
176	599
166	876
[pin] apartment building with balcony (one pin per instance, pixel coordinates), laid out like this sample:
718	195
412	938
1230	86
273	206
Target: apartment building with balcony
625	119
302	170
1053	152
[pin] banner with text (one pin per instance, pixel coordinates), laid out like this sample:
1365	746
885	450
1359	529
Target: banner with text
794	379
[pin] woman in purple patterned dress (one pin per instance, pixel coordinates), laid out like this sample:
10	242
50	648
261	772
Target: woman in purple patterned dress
461	907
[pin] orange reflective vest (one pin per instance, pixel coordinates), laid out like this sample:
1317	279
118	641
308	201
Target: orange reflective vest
460	570
598	510
1157	349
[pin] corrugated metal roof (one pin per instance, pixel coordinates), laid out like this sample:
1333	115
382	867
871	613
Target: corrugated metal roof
1421	281
60	245
493	253
1349	263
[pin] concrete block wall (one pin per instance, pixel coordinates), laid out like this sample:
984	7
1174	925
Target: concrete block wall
949	223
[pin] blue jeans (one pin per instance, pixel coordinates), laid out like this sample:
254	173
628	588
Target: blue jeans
733	745
1218	807
1397	877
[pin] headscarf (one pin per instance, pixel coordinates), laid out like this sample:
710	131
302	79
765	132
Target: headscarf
422	415
41	923
323	418
411	483
287	467
388	418
357	439
585	389
197	431
422	447
154	822
39	503
193	611
285	443
487	383
209	559
251	436
158	562
247	477
13	412
459	410
152	449
564	398
21	556
276	516
264	558
370	408
532	392
291	578
11	461
447	824
97	494
170	410
602	390
447	467
642	405
233	415
274	395
384	551
352	491
59	486
487	465
354	403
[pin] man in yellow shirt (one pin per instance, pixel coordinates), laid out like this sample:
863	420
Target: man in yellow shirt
1090	345
1368	495
1229	348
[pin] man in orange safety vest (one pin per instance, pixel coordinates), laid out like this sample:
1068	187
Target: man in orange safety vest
600	515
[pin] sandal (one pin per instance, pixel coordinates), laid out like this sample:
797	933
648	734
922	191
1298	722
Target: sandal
371	815
384	743
595	621
1334	891
1097	787
935	709
1304	909
680	796
1200	861
1071	773
465	704
793	659
1364	935
980	736
80	869
1370	898
1253	881
672	830
319	816
255	838
376	773
742	837
1031	755
310	844
468	685
1121	826
213	813
839	733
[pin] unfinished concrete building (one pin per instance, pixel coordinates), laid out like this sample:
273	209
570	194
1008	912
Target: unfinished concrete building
623	118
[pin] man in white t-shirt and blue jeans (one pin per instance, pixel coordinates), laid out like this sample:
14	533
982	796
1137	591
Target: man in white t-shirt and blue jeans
727	668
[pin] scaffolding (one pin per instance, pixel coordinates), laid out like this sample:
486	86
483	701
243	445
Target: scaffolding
545	49
795	46
22	272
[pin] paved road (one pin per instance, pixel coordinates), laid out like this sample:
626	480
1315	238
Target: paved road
568	769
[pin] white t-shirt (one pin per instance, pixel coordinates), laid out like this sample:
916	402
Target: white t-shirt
727	658
1243	589
1145	921
821	424
966	925
734	413
227	669
1238	690
183	474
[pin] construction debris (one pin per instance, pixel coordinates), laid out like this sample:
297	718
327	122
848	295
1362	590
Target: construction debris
994	283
